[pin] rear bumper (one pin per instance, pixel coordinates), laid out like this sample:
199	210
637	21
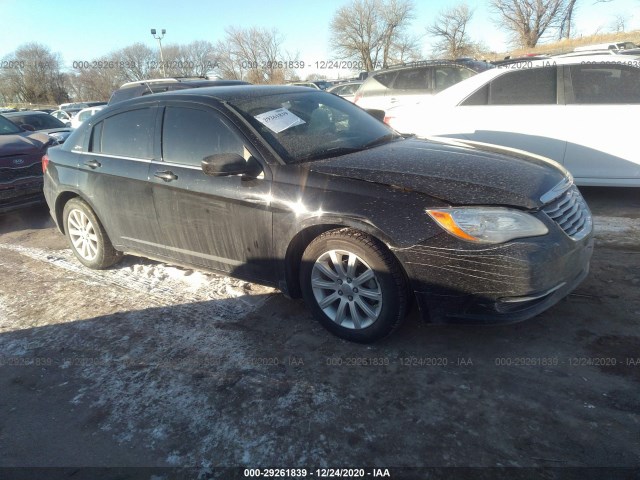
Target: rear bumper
454	282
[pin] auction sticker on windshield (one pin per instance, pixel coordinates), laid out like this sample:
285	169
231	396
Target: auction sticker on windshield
279	120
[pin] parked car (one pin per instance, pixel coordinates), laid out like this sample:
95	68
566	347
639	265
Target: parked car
569	109
346	90
607	46
37	121
84	114
302	190
80	105
323	84
157	85
410	83
305	84
65	116
20	166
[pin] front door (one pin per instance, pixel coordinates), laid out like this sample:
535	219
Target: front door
222	223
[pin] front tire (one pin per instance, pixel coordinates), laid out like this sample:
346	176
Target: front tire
86	236
353	285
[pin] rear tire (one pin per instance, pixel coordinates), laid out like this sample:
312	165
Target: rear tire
86	236
353	285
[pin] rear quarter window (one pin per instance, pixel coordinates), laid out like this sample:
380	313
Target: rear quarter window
605	84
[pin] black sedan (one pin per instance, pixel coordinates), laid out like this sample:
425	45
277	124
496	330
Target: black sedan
37	121
303	190
21	155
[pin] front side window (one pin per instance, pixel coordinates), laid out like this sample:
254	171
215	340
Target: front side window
128	134
189	135
605	84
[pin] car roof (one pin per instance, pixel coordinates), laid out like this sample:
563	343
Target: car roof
472	64
24	112
228	93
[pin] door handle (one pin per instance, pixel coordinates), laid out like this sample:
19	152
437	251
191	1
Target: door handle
166	175
93	164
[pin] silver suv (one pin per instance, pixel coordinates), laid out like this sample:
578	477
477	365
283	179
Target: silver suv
410	83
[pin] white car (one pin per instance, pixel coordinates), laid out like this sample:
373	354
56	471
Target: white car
346	90
579	111
83	114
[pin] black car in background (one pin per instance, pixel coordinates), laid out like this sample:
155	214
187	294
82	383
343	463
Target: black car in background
21	155
37	121
302	190
147	87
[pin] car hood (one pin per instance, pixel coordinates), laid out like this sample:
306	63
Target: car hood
456	171
20	144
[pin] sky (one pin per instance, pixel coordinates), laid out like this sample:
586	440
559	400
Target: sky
82	30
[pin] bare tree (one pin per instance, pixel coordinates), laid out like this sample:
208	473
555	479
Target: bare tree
371	31
195	59
619	23
529	20
88	83
405	48
566	24
254	54
450	30
33	76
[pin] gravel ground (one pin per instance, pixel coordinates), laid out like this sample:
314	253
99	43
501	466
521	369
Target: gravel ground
148	365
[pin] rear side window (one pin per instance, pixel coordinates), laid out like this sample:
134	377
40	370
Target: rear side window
385	78
530	86
128	134
412	79
189	135
446	77
605	84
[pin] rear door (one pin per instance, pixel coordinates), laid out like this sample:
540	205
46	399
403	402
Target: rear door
114	175
221	223
520	109
409	86
603	106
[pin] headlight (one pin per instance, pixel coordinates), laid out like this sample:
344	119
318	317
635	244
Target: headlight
488	225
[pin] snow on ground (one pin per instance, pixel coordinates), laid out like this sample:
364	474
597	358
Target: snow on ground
617	231
165	283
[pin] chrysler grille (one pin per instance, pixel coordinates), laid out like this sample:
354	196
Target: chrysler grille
571	213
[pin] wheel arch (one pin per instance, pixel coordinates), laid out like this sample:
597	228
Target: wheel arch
301	240
61	201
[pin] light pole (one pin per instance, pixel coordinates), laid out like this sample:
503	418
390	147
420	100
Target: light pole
159	38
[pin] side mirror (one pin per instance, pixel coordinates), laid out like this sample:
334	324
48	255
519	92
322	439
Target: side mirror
224	164
378	114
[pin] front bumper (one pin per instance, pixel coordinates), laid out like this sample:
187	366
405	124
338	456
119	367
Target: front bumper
14	197
458	282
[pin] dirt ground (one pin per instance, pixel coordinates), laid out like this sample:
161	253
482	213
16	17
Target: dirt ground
147	365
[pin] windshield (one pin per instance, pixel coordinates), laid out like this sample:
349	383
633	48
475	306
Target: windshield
7	127
37	121
313	125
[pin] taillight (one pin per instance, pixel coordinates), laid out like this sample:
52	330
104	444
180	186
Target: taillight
387	119
357	97
45	163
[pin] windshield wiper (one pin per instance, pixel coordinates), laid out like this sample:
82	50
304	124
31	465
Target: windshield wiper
331	152
380	140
